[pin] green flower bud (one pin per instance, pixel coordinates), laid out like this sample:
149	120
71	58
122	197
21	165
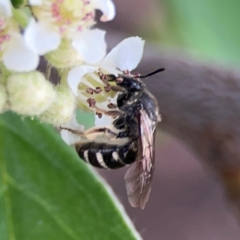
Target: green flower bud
62	109
65	56
29	93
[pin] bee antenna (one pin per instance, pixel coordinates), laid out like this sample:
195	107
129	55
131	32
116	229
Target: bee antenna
153	73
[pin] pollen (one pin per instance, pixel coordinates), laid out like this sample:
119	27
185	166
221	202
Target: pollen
90	90
97	90
91	102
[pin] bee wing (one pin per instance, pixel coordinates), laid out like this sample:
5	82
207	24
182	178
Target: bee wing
139	175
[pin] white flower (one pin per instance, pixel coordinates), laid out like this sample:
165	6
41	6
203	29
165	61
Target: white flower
124	57
69	19
14	52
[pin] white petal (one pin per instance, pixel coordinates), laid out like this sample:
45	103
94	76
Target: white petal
75	76
107	7
91	45
5	8
40	37
126	55
103	121
35	2
18	57
109	69
69	137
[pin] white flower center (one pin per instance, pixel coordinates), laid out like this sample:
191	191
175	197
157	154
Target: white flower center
68	16
6	27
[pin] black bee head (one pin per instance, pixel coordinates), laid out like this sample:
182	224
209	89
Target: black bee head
130	84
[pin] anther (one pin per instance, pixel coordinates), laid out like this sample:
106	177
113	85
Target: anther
107	88
97	90
90	90
91	102
99	114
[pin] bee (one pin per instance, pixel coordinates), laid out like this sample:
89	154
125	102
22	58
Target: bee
135	121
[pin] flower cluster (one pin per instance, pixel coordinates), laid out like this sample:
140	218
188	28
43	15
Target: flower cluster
61	33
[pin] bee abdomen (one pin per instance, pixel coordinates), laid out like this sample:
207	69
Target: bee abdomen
103	155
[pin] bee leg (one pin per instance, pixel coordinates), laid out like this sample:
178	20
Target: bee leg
111	113
120	122
123	98
100	131
107	132
129	126
92	131
123	134
76	132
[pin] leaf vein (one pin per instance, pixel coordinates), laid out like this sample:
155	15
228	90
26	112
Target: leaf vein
69	175
44	205
6	197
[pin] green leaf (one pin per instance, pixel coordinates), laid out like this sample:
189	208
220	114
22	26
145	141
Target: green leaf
18	3
209	28
47	192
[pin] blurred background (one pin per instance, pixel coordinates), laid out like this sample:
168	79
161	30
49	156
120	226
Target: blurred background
186	202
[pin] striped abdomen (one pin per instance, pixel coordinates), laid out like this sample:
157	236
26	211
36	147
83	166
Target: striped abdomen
103	155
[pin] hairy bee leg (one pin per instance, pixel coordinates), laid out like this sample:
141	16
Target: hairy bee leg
99	131
123	98
120	122
109	133
76	132
111	113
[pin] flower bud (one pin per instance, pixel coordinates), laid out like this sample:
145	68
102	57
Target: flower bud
65	56
62	108
29	93
3	98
